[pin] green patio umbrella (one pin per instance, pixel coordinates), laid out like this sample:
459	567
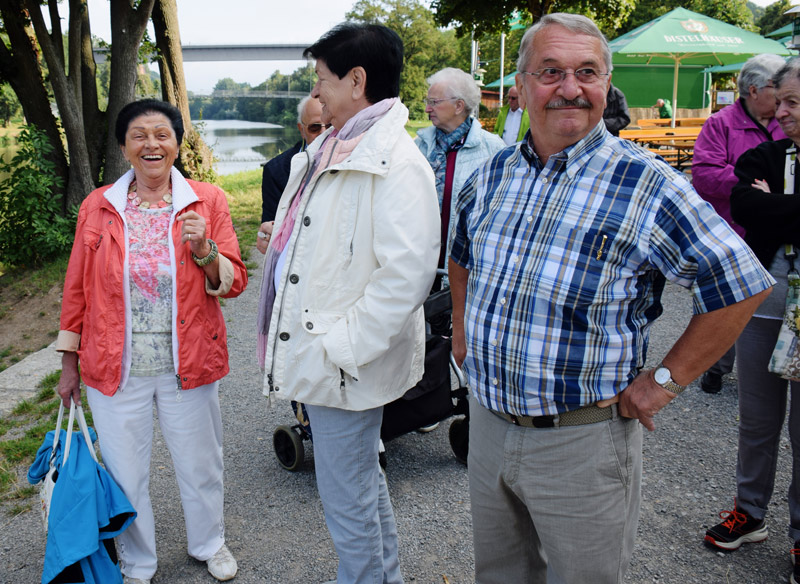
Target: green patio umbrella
685	37
508	81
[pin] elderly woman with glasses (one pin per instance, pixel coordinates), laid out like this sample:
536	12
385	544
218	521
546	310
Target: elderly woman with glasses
455	145
725	136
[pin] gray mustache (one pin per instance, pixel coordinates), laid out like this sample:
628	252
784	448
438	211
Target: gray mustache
577	102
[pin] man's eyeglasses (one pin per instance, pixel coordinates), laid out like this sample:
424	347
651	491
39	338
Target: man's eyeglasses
316	128
436	102
553	75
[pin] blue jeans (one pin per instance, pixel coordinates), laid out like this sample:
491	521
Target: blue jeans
354	495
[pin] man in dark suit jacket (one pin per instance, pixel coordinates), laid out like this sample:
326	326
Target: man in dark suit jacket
276	171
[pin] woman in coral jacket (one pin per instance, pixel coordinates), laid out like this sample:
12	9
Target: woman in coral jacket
141	315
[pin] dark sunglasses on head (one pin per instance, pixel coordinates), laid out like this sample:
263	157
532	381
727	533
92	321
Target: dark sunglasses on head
314	128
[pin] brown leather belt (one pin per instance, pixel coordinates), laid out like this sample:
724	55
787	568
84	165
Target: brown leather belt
590	414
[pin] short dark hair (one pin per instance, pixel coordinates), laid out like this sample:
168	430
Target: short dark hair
374	47
148	106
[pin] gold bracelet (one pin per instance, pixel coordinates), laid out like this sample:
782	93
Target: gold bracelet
210	257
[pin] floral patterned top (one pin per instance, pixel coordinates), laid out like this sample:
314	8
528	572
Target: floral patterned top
150	290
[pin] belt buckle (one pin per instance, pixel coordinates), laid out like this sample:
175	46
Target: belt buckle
549	421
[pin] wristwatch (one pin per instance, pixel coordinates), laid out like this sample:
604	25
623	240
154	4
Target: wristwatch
663	377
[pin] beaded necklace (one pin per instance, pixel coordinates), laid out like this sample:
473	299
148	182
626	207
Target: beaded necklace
135	200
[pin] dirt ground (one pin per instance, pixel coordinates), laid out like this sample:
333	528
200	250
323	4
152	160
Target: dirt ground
28	321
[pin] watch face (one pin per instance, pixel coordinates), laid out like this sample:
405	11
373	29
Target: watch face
662	375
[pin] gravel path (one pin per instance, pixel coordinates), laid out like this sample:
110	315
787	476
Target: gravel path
276	530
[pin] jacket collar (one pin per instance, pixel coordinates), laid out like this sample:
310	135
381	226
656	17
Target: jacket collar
373	153
182	193
426	135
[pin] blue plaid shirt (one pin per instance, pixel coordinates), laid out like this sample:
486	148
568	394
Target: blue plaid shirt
567	263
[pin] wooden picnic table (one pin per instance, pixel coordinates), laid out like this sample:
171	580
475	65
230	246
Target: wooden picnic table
666	122
645	135
675	145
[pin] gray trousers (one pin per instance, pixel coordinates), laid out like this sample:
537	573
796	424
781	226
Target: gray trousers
762	411
725	363
555	505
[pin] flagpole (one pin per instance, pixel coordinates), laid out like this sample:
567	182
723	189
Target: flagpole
675	92
502	62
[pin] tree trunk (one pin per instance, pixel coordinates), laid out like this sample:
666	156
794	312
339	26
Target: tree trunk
127	29
20	67
196	158
93	118
80	177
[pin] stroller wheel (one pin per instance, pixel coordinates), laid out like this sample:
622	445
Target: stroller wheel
459	439
288	447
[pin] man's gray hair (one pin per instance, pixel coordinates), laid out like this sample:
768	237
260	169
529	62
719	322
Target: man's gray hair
758	71
460	85
300	107
575	23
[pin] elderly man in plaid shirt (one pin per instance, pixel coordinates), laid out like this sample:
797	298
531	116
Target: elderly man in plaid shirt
562	248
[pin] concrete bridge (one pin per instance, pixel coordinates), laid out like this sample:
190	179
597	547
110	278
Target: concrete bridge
274	52
229	93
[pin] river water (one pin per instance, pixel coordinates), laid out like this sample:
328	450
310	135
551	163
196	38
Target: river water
239	145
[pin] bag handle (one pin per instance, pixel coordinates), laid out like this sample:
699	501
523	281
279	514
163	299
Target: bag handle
73	408
57	433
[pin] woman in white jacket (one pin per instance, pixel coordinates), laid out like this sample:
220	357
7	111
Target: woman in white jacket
351	259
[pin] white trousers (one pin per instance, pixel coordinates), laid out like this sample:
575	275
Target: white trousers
191	423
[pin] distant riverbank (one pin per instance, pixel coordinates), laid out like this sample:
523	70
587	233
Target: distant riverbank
240	145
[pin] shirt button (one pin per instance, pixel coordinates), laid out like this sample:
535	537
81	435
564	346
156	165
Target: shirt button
309	325
544	179
494	381
503	301
284	336
530	219
183	322
294	279
306	220
494	342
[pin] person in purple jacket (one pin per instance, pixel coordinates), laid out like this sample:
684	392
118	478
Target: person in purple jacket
725	136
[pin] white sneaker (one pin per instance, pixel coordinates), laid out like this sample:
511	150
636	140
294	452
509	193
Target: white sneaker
129	580
222	564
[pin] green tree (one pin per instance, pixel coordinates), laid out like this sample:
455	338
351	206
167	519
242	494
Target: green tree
481	17
774	17
733	12
426	48
9	104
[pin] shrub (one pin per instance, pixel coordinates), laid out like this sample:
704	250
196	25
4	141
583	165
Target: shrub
32	226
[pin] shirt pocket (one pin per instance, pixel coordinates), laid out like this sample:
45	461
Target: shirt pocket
579	266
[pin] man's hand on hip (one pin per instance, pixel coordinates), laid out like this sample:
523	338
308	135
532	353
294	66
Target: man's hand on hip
643	398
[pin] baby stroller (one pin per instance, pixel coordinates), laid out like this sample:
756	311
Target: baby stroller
432	400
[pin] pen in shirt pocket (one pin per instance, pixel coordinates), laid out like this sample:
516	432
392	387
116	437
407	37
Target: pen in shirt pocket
602	246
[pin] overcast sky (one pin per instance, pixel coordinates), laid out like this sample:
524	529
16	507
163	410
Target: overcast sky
245	22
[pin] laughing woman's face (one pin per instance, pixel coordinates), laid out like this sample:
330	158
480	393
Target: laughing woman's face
151	146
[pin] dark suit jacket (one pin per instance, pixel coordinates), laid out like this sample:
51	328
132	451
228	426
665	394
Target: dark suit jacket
274	179
616	115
